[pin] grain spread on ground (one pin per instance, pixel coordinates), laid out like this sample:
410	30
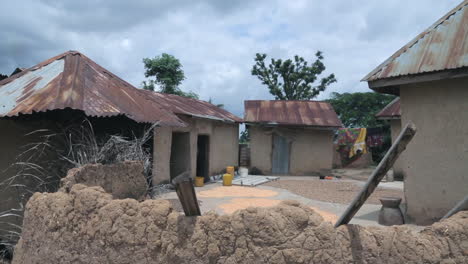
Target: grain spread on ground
236	191
332	191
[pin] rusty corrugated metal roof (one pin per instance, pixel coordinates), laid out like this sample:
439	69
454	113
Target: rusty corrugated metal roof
71	80
288	112
443	46
192	107
390	111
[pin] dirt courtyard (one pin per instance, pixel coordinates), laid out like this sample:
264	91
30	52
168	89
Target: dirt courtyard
329	198
334	191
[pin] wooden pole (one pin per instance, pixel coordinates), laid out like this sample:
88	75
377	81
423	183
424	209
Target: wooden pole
186	192
460	206
377	175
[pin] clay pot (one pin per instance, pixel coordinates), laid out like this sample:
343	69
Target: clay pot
390	213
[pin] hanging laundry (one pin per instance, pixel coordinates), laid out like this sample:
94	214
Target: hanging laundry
347	136
359	144
345	140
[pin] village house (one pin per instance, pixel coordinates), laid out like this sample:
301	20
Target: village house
205	146
191	135
430	74
392	114
291	137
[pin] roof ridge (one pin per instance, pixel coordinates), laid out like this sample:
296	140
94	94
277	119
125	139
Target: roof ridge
416	39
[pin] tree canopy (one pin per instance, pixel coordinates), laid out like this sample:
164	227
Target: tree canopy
168	74
2	76
244	136
217	105
359	109
292	79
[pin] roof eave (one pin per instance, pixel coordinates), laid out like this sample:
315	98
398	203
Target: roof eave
273	124
392	85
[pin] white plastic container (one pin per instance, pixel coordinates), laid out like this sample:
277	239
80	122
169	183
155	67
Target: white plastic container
244	172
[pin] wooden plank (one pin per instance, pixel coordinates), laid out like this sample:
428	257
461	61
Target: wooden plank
377	175
183	184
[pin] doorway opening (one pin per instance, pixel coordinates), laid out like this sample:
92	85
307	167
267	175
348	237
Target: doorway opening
180	153
280	155
203	157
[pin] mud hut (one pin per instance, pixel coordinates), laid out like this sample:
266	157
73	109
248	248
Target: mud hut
291	137
70	89
430	74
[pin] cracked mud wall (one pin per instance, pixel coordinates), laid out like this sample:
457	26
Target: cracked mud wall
122	180
87	226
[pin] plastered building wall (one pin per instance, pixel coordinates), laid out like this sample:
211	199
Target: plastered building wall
398	167
311	150
223	146
436	160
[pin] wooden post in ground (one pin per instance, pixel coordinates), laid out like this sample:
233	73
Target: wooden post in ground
377	175
183	184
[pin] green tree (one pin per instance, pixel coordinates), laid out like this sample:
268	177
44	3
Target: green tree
217	105
359	109
2	76
168	74
244	136
292	80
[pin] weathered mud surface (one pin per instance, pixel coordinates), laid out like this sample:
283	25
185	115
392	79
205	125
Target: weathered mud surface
87	226
122	180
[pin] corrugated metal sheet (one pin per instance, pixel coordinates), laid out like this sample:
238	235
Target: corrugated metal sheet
302	113
71	80
442	46
191	107
390	111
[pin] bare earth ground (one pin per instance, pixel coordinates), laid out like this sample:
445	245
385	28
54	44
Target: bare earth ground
332	191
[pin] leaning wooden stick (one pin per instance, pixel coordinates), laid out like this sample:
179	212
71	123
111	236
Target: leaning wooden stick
460	206
377	175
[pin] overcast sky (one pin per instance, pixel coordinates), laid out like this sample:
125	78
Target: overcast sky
216	40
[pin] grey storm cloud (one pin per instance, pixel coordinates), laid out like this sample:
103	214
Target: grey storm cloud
216	41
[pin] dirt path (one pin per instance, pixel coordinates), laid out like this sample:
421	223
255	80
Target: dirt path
332	190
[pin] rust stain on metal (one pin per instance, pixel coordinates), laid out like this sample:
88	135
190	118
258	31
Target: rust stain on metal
71	80
296	113
391	111
443	46
191	107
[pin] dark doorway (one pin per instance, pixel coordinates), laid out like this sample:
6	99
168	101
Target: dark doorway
203	156
180	153
280	155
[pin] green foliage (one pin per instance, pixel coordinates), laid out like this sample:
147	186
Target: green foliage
244	136
292	80
359	109
168	74
217	105
2	76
